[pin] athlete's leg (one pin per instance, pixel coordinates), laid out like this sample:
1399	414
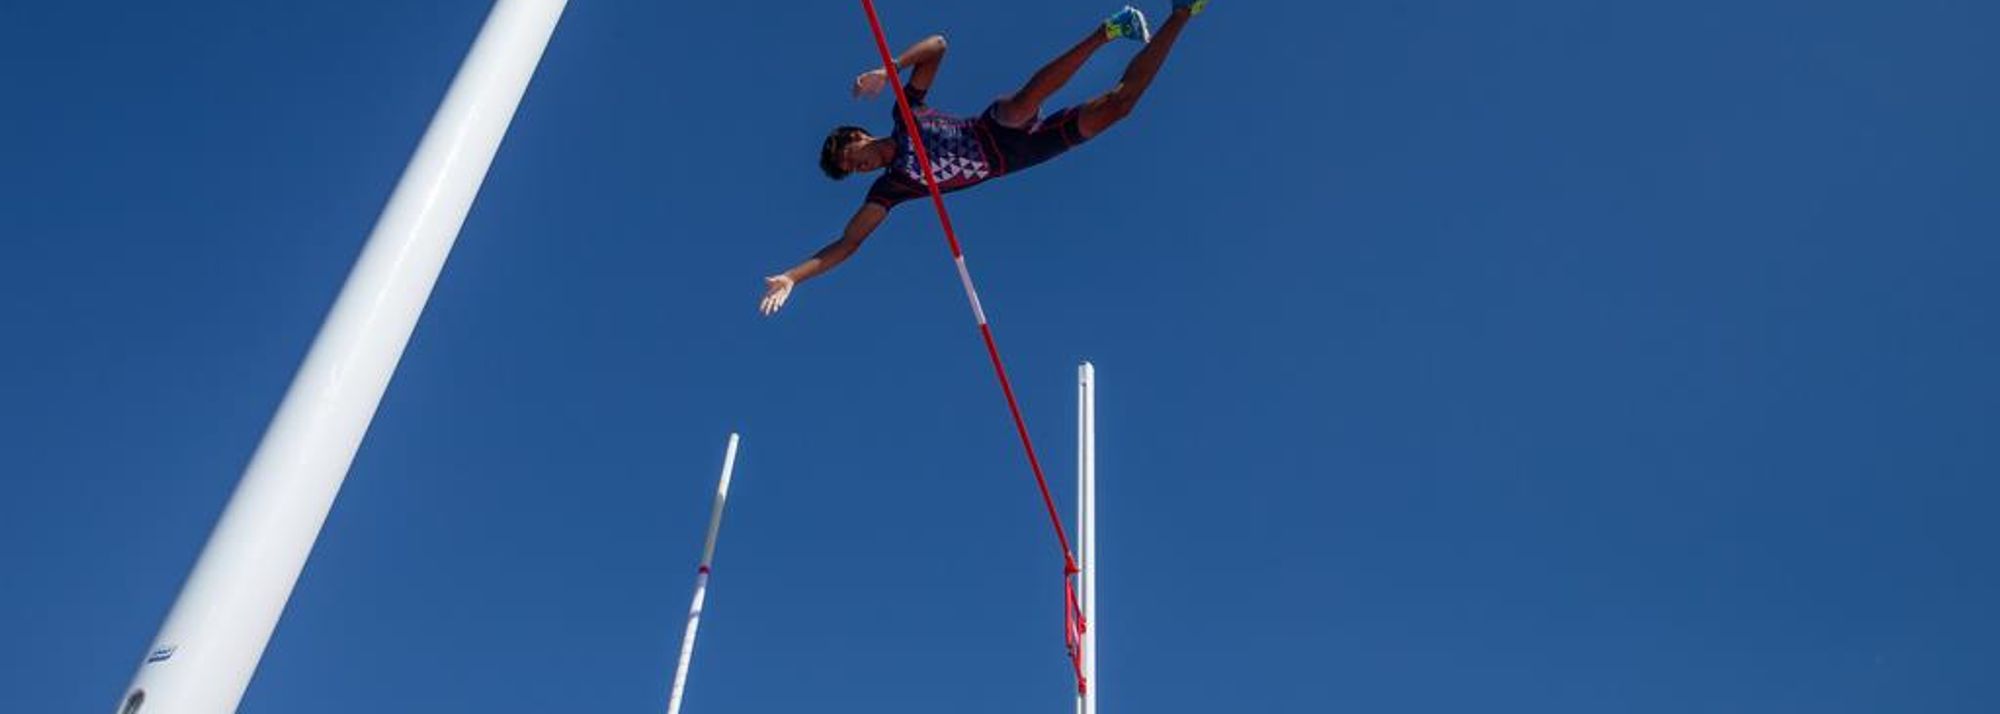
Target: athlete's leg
1106	109
1021	107
1025	103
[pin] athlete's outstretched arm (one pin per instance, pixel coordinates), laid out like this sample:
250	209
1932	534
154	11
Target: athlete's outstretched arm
778	288
922	59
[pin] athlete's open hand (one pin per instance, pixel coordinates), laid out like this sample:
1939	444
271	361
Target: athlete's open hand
777	289
870	83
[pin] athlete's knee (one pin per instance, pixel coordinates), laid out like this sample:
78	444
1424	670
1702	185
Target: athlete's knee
1014	112
1120	103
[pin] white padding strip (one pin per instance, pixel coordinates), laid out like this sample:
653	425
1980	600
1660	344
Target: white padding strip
965	276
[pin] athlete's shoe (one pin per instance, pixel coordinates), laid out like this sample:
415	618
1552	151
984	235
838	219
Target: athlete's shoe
1128	22
1194	6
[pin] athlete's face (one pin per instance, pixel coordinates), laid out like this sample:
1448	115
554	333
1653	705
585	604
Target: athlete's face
860	157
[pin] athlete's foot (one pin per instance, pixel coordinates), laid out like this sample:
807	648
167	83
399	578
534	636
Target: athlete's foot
1194	7
1128	22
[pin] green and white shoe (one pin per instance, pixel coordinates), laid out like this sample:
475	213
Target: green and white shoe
1194	6
1128	22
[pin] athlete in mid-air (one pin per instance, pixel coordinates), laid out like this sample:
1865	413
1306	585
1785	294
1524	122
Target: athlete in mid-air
1009	136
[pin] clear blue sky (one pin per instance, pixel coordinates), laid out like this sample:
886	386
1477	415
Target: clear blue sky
1455	356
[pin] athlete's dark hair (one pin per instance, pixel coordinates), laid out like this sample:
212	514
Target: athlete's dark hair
836	141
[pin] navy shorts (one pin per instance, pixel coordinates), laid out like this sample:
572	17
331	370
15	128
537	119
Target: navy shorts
1039	141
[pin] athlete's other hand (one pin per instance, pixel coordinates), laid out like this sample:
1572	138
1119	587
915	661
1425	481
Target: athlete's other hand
777	289
870	83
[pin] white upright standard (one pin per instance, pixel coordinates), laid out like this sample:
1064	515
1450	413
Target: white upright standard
701	580
1086	526
212	639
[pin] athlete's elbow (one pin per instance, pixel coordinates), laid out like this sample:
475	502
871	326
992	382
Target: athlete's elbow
846	246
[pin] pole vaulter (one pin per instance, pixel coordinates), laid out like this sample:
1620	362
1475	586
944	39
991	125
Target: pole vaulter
1008	136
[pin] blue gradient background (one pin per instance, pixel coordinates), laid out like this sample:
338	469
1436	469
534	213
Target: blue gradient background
1455	356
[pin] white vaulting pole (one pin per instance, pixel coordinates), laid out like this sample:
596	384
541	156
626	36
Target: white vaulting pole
1086	507
211	642
701	580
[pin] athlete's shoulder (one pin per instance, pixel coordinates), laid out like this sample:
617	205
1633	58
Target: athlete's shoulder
892	187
